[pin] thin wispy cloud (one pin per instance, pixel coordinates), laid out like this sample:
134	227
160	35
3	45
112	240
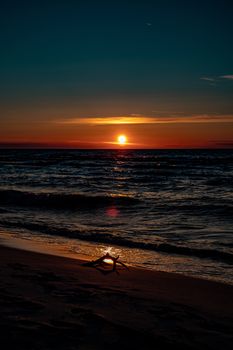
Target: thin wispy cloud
208	79
107	120
223	143
127	120
217	79
228	77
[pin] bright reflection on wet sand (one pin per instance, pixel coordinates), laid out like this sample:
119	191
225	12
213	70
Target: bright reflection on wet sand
132	257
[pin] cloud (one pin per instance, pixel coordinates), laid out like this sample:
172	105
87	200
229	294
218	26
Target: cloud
223	143
228	77
208	79
160	119
217	78
107	120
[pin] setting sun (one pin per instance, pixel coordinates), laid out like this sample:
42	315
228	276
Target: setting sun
122	139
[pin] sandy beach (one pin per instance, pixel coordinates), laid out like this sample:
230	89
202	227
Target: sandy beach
50	302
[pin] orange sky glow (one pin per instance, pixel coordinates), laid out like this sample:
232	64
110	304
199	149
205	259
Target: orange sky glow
196	131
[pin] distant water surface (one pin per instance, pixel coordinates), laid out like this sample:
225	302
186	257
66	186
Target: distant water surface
169	210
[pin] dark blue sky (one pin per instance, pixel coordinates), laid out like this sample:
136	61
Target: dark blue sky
93	58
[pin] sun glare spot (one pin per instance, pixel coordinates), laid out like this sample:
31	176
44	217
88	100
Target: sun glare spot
112	212
122	139
108	261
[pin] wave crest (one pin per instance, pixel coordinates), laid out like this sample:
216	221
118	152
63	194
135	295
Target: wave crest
107	238
62	200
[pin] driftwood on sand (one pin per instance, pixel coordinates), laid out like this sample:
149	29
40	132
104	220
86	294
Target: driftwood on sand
106	264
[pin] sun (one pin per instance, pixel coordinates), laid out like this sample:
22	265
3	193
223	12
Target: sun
122	139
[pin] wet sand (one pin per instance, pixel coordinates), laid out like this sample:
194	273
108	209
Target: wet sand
51	302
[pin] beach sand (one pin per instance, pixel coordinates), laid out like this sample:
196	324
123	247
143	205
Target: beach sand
50	302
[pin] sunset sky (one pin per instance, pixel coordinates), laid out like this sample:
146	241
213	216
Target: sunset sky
80	73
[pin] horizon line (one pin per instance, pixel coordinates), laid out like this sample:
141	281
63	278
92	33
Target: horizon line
230	147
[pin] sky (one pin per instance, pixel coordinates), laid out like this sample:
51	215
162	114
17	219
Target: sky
77	74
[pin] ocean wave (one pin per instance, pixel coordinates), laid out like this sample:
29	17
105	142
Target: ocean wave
107	238
63	200
220	181
3	211
206	209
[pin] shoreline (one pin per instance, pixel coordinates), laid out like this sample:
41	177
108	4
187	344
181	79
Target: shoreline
81	250
47	300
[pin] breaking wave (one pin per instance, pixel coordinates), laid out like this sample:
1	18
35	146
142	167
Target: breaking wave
62	200
106	238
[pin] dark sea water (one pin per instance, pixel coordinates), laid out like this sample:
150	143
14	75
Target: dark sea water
168	210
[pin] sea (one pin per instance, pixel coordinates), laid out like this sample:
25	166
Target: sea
165	210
